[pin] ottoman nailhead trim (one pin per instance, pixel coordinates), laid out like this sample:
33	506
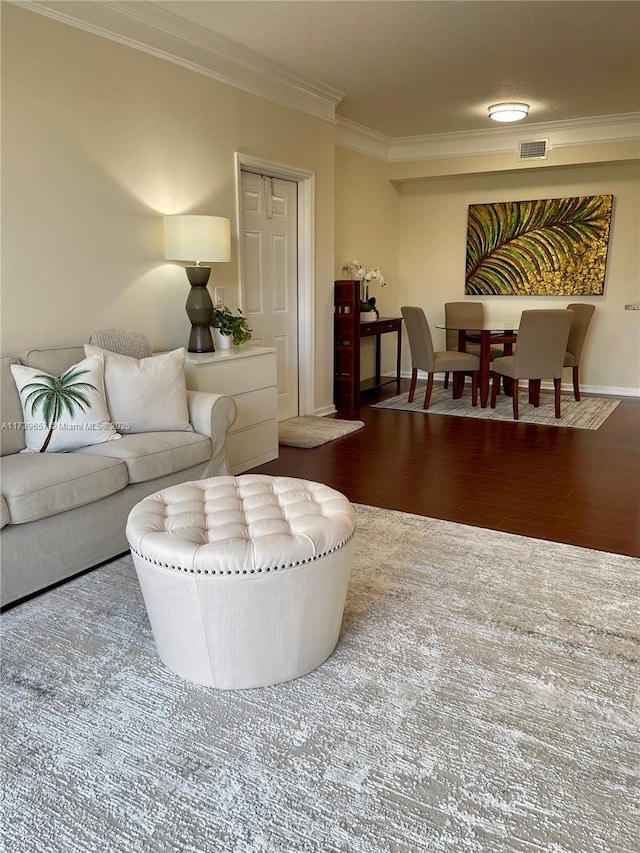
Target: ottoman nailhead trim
259	570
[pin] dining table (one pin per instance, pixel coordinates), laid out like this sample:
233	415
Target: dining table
487	334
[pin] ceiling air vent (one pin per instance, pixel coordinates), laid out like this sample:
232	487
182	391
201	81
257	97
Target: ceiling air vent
536	150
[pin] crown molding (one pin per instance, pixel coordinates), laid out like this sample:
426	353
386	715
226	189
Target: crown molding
153	30
445	146
146	27
363	140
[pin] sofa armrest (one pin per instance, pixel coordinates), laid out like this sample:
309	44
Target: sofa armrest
212	415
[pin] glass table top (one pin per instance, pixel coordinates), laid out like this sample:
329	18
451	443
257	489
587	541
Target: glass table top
488	326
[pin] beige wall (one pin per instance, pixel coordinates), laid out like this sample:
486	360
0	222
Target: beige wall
99	141
367	211
433	219
428	226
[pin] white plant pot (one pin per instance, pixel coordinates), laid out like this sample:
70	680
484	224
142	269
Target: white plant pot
368	316
221	341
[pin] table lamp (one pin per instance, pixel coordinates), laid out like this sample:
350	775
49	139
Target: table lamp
198	239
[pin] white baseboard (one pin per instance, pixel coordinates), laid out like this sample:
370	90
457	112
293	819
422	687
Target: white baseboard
325	410
608	391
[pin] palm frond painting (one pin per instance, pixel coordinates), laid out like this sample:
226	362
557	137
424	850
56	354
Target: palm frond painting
551	247
56	394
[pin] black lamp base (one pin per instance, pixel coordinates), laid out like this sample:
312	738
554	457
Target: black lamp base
200	340
199	310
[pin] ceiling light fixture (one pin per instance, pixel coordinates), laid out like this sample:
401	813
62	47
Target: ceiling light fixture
508	112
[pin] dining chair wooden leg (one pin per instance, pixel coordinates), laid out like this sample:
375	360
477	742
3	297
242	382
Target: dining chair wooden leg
458	384
515	399
475	376
576	384
412	386
557	385
427	395
534	392
494	389
446	381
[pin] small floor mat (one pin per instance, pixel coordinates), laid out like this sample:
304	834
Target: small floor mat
312	431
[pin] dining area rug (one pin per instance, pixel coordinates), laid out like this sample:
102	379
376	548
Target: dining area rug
312	430
589	413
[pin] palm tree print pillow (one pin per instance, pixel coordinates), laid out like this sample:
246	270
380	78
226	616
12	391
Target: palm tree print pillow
64	412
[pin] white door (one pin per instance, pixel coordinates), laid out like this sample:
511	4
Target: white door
270	276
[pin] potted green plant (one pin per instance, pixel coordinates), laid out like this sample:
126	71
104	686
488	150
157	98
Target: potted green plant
368	310
229	328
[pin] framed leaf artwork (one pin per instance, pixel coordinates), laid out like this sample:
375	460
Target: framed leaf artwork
551	247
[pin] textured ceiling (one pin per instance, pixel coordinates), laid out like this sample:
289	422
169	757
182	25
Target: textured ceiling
427	66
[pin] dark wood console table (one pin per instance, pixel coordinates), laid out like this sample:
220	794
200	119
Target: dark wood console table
380	327
348	333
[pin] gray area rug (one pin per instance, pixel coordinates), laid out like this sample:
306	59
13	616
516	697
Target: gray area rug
482	697
589	413
312	431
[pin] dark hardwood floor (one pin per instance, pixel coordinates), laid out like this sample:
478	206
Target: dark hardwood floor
569	485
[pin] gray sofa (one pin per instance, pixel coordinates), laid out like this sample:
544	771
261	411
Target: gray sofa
62	513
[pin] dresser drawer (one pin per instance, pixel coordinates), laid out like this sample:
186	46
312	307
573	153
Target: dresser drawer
249	375
391	326
255	407
233	376
251	447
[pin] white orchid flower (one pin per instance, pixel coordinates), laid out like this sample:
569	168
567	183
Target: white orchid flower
357	270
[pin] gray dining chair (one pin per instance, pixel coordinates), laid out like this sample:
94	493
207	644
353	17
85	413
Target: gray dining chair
423	356
582	314
542	343
468	315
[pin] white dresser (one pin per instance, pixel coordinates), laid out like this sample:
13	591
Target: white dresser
248	374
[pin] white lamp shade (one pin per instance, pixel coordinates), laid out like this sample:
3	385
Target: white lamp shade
195	239
508	112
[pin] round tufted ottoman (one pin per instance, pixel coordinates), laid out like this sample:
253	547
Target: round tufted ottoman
244	578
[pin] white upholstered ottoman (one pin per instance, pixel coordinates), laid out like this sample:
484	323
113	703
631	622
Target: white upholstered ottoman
244	578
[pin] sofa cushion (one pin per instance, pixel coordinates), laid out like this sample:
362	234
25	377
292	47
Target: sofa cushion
36	485
64	412
54	359
155	454
4	512
12	435
147	394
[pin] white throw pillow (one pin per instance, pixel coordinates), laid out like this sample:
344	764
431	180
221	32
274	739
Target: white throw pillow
147	394
64	412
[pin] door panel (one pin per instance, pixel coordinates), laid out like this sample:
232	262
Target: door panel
270	276
279	273
252	276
